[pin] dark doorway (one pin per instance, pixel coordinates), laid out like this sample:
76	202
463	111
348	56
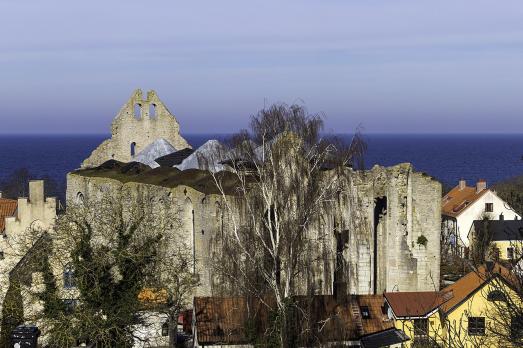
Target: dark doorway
380	211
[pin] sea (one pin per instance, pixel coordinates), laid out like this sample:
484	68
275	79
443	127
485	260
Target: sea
446	157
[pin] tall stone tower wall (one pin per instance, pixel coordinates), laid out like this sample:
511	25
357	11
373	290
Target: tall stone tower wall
138	123
387	212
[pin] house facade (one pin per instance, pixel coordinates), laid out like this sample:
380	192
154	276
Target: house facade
468	313
464	204
505	236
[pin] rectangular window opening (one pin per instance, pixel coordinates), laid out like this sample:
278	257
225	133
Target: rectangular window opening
421	328
476	326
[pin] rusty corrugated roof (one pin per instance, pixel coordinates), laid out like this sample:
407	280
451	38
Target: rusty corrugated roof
378	320
225	320
7	208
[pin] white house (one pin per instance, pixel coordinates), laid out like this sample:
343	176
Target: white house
464	204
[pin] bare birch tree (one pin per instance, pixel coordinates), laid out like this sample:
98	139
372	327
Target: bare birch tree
286	179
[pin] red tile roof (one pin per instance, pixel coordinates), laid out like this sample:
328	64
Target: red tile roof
7	208
416	303
457	200
471	282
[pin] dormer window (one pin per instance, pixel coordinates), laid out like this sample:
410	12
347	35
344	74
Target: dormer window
365	313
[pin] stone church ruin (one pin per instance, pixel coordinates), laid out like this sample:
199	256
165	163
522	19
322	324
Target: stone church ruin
374	245
138	123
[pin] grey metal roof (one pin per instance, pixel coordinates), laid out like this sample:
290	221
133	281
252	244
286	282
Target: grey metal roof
384	338
174	158
501	229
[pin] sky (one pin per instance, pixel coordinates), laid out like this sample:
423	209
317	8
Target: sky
402	66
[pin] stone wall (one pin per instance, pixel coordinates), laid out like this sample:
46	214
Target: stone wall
394	206
199	214
378	217
34	215
138	123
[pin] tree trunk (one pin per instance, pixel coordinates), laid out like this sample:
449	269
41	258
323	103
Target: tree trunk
173	329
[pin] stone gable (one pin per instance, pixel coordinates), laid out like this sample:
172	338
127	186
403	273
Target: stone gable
138	123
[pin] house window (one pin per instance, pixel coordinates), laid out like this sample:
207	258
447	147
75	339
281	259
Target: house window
510	253
69	279
421	327
489	207
496	295
476	326
365	313
1	255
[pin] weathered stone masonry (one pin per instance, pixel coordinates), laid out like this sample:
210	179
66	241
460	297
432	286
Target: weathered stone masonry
138	123
381	213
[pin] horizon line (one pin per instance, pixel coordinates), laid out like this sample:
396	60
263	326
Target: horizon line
231	133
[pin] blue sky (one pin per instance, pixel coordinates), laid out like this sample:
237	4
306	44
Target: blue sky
390	66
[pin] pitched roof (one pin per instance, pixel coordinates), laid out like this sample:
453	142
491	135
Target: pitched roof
223	320
158	148
384	339
468	284
7	208
501	229
174	158
457	200
416	303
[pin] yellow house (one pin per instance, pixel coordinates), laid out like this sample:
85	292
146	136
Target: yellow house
506	236
416	314
479	310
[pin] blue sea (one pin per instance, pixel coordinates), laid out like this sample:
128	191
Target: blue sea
447	157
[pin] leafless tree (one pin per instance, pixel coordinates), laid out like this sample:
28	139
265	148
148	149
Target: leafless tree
286	179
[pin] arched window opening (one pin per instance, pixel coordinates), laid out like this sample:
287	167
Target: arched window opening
79	197
137	111
496	295
69	279
133	148
152	110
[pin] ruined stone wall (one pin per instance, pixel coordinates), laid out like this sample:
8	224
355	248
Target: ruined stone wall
379	216
34	215
384	212
199	214
138	123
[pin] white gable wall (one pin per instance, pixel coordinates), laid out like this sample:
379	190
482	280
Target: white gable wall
476	210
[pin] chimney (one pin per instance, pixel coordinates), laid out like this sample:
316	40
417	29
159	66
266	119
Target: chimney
501	217
462	184
481	185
